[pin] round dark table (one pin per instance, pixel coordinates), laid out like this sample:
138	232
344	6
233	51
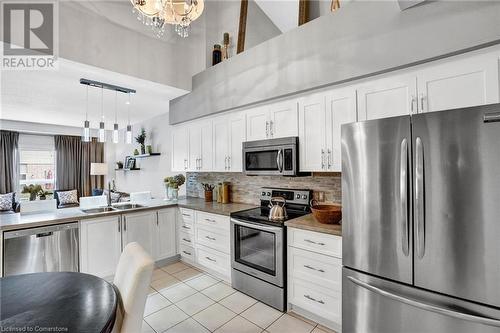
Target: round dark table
57	302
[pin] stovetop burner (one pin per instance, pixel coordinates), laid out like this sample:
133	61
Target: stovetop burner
297	205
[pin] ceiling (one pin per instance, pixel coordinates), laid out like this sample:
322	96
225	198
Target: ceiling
57	97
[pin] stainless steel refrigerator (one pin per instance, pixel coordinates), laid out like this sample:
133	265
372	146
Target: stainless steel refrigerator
421	223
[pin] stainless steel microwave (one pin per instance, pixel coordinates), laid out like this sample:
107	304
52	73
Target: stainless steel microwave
271	157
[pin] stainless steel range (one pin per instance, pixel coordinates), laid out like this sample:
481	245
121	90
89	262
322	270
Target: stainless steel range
258	246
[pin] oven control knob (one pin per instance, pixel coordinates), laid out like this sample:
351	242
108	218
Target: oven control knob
268	194
304	196
298	196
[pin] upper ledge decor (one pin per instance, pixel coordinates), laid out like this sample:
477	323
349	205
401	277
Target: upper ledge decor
157	13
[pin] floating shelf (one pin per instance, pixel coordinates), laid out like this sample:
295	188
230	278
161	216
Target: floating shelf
145	155
123	169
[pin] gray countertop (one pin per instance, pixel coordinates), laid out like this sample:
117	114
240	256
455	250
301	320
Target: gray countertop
30	220
309	222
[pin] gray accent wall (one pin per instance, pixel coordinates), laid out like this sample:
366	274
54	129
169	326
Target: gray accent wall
360	40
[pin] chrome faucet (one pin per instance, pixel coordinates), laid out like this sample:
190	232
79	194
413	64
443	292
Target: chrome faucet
109	194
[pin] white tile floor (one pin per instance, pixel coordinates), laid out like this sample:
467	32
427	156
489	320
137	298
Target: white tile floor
183	299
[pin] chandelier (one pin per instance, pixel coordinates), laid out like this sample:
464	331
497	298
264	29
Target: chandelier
158	13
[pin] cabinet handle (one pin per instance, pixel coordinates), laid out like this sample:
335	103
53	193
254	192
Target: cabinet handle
271	123
119	225
185	164
186	240
412	103
124	224
313	242
322	159
201	163
267	129
225	163
313	299
210	220
422	102
229	162
184	214
314	269
210	238
329	159
185	252
208	258
186	227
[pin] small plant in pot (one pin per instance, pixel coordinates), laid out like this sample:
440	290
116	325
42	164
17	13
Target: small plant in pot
172	185
141	139
33	191
43	194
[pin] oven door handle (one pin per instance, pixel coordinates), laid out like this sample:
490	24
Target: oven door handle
257	226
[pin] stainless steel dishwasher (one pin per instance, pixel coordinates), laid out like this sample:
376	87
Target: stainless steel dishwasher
46	249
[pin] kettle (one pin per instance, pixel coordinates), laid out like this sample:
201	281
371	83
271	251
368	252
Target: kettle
277	212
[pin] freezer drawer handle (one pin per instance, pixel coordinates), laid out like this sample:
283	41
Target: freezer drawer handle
491	117
425	306
314	299
314	269
44	234
313	242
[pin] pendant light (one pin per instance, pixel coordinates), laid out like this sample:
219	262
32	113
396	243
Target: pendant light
86	123
115	126
128	136
102	131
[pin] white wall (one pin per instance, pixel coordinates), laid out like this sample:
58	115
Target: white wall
153	169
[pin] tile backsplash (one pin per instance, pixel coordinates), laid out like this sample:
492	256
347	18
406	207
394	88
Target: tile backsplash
246	189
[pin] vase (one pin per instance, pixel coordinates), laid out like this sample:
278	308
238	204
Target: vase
174	194
143	149
209	196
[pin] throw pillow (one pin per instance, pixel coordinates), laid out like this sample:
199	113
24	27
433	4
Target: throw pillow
68	197
6	201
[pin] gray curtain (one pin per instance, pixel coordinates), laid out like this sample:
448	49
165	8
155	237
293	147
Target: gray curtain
8	161
73	158
92	152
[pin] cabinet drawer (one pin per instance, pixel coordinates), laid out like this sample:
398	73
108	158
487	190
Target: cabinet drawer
186	214
315	241
213	239
317	268
321	301
214	260
187	252
186	238
213	221
187	227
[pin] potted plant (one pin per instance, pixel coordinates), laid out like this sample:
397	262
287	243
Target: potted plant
43	194
33	190
141	139
172	185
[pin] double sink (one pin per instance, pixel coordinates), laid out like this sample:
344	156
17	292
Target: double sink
113	208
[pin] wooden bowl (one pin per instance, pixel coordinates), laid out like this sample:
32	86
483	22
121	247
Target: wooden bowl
327	213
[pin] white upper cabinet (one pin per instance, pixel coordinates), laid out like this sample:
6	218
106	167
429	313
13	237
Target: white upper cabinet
391	96
220	140
200	145
180	148
277	120
312	132
341	109
465	81
258	123
237	135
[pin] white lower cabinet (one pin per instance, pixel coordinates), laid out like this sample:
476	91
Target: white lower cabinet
204	241
100	245
103	239
315	276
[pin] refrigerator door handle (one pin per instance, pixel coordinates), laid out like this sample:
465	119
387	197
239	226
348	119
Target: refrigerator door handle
403	193
426	306
419	198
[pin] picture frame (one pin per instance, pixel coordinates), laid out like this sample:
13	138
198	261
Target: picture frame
129	163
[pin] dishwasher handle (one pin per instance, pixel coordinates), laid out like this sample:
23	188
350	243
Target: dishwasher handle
40	232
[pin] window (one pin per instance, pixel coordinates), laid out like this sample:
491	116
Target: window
36	163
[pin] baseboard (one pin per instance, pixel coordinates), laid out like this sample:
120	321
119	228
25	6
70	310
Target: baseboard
311	316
